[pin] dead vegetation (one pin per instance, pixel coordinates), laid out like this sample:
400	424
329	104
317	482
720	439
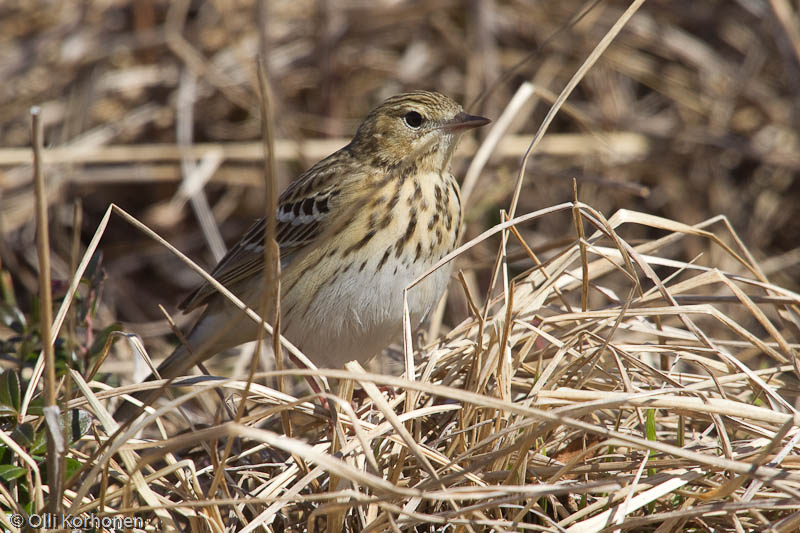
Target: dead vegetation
622	358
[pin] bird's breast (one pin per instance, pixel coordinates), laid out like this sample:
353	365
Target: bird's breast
354	307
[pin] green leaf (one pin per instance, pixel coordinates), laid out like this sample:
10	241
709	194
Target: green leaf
24	435
39	444
10	390
71	466
11	472
650	424
650	434
36	407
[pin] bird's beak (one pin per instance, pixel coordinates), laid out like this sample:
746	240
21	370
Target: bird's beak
463	121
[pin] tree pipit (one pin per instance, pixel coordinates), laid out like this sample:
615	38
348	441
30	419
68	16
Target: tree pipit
354	230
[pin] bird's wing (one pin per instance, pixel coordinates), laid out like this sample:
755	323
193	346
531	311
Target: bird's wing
303	210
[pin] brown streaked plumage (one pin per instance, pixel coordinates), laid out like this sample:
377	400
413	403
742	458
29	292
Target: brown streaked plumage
354	230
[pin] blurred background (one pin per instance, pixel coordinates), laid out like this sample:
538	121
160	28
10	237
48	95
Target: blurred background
692	112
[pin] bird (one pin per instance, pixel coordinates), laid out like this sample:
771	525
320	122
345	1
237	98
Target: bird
354	231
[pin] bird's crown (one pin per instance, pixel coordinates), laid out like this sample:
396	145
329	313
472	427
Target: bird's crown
423	125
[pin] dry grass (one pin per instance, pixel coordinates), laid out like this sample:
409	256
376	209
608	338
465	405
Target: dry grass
626	359
588	391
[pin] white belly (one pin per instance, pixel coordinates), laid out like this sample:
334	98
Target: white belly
372	318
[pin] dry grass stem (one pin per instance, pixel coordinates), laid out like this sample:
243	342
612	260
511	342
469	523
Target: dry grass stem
619	350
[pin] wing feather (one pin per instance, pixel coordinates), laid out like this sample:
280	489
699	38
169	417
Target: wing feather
303	210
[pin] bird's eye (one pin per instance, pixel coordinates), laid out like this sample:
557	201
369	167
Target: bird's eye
413	119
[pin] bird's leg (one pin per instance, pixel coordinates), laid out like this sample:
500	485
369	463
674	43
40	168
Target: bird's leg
311	382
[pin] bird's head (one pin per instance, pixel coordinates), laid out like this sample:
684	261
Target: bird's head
421	127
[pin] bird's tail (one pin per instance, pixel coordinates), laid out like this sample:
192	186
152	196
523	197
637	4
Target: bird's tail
179	361
214	332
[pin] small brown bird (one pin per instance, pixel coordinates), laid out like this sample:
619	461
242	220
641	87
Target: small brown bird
354	230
